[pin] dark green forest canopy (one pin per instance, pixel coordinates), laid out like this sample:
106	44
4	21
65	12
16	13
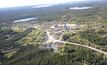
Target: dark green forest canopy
70	55
89	35
93	38
8	37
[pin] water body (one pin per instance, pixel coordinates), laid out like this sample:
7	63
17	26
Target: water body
42	6
25	19
80	8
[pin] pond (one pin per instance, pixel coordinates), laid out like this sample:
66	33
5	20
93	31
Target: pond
25	19
80	8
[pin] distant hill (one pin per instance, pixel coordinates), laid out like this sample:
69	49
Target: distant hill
52	13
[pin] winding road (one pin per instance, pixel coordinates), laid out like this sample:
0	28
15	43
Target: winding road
51	39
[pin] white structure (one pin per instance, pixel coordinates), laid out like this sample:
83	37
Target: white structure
70	24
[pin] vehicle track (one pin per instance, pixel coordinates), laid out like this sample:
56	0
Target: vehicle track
51	39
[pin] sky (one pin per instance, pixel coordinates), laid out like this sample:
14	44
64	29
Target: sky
14	3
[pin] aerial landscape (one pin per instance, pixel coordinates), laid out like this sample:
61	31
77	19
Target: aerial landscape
71	33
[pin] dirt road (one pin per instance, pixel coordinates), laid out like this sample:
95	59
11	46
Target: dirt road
51	39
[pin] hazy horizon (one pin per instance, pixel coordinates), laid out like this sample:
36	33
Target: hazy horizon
15	3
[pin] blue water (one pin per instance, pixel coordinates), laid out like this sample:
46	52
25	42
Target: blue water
25	19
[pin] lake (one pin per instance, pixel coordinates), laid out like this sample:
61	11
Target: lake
79	8
42	6
25	19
